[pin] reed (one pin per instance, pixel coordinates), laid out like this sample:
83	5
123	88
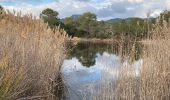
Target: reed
155	71
153	82
152	79
30	57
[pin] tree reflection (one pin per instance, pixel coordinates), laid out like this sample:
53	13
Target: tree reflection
86	52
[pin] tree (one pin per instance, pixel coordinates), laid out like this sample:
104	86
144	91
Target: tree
68	20
70	25
1	9
87	22
164	16
51	17
50	13
103	30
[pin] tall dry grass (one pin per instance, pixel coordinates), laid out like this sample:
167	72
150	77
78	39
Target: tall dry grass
121	83
155	72
153	82
30	57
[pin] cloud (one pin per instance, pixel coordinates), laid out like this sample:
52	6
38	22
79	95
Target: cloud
104	9
133	8
84	0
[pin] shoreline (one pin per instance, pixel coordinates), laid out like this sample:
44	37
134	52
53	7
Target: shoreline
76	40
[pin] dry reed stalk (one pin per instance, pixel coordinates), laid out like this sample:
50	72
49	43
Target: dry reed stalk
30	56
155	72
153	80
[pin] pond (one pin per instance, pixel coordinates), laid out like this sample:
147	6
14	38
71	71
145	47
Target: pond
90	64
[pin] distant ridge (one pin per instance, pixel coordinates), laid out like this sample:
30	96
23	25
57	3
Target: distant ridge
114	20
75	17
117	20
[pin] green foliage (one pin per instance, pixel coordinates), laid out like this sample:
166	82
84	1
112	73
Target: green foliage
164	16
87	25
1	9
50	13
70	26
51	17
83	26
87	22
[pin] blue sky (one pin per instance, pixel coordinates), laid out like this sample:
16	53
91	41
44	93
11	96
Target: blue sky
104	9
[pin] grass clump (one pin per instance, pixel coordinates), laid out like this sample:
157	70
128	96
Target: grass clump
153	81
150	81
30	57
155	71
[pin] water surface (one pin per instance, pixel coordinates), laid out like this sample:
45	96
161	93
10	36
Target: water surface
88	64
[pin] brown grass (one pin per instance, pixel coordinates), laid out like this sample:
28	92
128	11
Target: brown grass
155	72
30	57
153	80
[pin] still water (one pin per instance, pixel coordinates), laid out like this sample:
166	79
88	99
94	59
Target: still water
87	64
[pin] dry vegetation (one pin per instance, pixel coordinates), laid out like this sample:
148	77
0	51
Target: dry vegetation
153	80
155	71
30	57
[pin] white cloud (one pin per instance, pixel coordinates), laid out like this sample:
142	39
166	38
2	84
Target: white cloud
104	9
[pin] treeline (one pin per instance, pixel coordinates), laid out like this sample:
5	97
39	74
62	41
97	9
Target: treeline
87	25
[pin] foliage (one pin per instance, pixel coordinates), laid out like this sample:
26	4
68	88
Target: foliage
70	25
51	17
87	25
164	16
1	9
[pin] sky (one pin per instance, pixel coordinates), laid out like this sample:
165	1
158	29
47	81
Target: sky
104	9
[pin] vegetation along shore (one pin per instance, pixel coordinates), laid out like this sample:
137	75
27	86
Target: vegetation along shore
32	52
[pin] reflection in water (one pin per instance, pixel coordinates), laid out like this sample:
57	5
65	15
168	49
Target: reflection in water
87	63
86	52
